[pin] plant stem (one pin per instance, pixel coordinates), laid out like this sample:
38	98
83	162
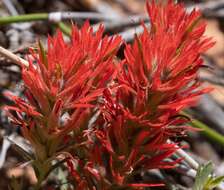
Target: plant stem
65	29
41	169
13	57
23	18
206	130
187	158
56	17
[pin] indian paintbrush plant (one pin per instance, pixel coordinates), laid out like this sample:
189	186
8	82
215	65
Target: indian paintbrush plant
106	119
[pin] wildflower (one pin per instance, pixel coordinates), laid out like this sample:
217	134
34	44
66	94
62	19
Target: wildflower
112	119
156	80
61	86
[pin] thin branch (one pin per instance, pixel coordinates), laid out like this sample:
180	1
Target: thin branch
11	8
4	149
128	35
130	21
208	6
60	16
186	170
13	57
212	79
57	17
188	159
216	14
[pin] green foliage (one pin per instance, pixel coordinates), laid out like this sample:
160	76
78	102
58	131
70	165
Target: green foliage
42	54
204	178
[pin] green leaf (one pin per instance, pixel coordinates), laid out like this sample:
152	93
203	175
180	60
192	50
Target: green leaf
65	28
43	54
214	182
203	176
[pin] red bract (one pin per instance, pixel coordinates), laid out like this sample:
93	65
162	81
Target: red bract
62	85
160	68
156	80
110	118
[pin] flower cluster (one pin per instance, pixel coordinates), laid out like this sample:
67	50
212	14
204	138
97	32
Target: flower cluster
112	118
61	86
156	80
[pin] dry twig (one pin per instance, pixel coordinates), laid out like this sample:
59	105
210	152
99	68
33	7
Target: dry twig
13	57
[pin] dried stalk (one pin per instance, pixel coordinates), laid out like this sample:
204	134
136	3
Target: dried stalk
13	57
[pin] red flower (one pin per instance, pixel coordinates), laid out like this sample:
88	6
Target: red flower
63	83
115	116
156	80
159	72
